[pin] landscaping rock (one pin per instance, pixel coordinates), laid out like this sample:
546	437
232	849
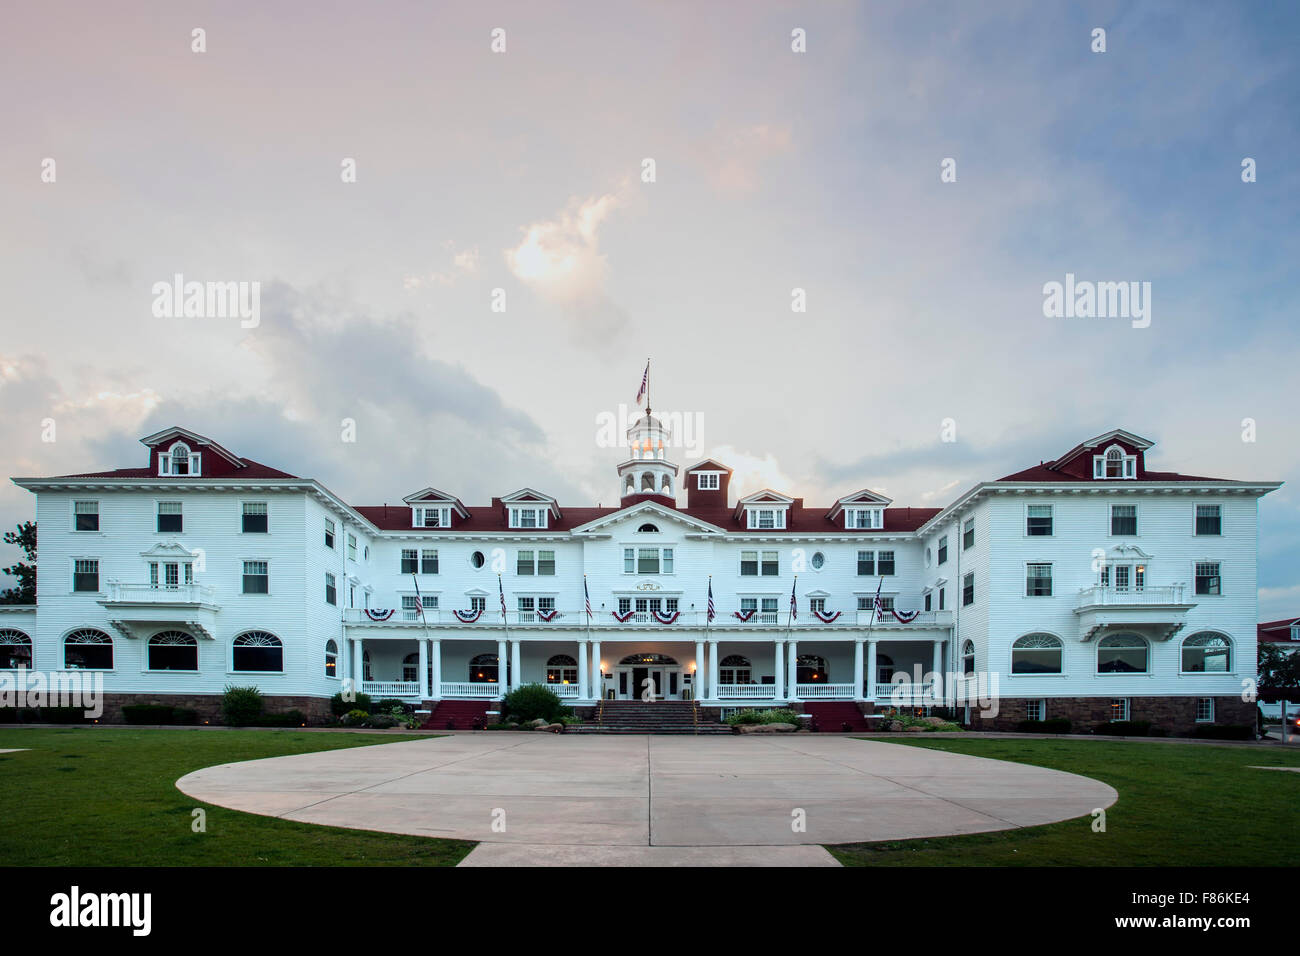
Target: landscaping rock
783	728
555	728
539	722
914	729
895	727
934	721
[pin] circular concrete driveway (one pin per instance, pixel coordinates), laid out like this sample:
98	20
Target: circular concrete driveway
545	798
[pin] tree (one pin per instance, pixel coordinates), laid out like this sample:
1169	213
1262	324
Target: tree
24	572
1279	671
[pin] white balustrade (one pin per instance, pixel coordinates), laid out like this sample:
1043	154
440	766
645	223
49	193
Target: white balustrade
824	691
390	688
468	689
746	691
906	693
158	593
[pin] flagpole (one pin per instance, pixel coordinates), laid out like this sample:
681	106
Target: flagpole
424	623
503	667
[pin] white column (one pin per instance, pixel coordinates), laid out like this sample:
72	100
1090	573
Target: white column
792	668
516	667
582	670
597	679
938	658
778	669
423	672
435	649
358	666
857	669
502	663
697	684
871	670
713	670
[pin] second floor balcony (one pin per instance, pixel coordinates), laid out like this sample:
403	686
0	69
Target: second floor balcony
136	610
1158	611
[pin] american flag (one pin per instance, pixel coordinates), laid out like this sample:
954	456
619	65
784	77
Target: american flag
712	609
503	597
419	600
879	608
587	595
794	602
645	383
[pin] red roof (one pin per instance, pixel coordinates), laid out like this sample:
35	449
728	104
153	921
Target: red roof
1076	464
251	469
1277	632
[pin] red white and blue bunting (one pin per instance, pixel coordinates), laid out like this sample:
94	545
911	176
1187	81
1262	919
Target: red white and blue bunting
470	616
904	617
827	617
547	616
666	617
379	614
623	618
745	615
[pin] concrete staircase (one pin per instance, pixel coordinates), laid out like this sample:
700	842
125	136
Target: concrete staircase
835	716
641	717
460	715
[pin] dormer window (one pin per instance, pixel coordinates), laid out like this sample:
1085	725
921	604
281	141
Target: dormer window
1115	463
432	517
179	461
1295	632
766	518
528	517
871	519
707	481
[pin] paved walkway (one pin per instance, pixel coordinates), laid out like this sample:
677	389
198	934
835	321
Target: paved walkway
556	799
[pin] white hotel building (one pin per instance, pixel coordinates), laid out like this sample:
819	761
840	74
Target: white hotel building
1088	587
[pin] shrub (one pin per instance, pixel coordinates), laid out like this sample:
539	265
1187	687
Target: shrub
1225	731
381	722
1124	728
1052	725
764	717
354	718
241	706
532	701
184	716
339	706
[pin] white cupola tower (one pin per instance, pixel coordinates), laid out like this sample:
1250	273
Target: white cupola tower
647	470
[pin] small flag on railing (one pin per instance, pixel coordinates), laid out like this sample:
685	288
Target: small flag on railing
712	611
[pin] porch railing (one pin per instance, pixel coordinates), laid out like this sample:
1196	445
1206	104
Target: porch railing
747	691
824	691
469	689
564	691
391	688
906	693
1159	596
158	593
490	620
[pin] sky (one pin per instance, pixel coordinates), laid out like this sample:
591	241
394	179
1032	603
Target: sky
517	177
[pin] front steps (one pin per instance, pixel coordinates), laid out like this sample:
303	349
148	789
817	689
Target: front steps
460	714
642	717
835	716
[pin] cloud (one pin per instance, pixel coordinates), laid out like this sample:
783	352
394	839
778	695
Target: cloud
464	262
736	156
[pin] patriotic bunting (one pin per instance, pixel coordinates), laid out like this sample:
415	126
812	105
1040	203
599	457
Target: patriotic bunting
666	618
904	617
827	617
547	616
623	618
470	616
745	615
379	614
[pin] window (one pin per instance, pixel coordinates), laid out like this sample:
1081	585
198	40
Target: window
868	602
1207	653
765	518
811	669
477	560
968	589
410	561
329	534
477	603
818	561
1123	519
170	519
647	560
706	482
167	575
1038	521
352	547
85	574
968	534
1035	709
173	651
1119	709
942	595
1205	710
536	562
1122	654
528	517
88	649
867	563
412	605
331	589
561	669
432	517
429	561
1207	577
648	529
928	600
331	659
1036	654
179	461
85	515
885	562
941	554
255	517
258	651
1114	464
15	650
817	605
884	668
1038	580
257	578
754	563
968	659
863	518
735	669
1209	520
483	669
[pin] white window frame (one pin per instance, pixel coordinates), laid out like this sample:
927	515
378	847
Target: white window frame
755	517
707	480
864	519
1110	519
99	575
1039	705
539	516
665	557
1128	465
441	515
1126	708
99	517
1219	565
243	565
760	561
1208	702
243	512
1051	584
331	533
1196	507
195	468
1051	518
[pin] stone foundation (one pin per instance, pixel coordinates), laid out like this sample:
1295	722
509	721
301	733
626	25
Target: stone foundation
208	706
1176	716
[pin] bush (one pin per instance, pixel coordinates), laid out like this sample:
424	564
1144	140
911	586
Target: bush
1124	728
354	718
764	717
1052	725
531	702
1225	731
241	706
339	706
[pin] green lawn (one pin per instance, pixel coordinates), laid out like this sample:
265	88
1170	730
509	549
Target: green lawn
1179	805
104	796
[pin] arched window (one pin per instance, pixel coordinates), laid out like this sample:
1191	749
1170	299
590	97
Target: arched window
561	669
411	668
884	668
1036	654
331	659
1122	654
666	486
629	485
180	458
88	649
173	651
735	669
648	529
648	482
483	669
1114	463
968	659
365	666
1207	653
15	650
258	651
811	669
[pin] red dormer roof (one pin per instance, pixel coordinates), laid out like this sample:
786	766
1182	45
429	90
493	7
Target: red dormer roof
1277	632
1076	464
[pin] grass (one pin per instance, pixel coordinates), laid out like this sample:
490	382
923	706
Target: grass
86	796
1179	805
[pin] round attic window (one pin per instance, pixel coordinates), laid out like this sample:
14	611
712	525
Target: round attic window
477	560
